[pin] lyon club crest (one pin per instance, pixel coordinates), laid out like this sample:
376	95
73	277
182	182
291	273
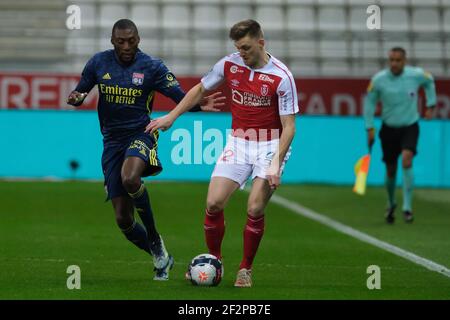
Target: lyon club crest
138	79
264	89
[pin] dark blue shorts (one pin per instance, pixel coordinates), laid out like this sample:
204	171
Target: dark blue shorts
141	145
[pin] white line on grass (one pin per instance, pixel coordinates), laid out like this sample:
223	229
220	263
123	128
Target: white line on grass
308	213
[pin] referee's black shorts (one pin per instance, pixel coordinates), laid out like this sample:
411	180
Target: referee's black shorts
394	140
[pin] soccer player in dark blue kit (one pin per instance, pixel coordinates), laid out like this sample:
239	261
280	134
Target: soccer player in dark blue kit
127	79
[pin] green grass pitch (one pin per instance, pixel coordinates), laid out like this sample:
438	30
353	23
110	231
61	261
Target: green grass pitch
47	226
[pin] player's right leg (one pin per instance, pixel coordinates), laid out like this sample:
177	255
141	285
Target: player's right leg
390	184
391	145
112	158
219	191
141	160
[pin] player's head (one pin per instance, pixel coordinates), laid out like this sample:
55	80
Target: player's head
248	39
397	60
125	39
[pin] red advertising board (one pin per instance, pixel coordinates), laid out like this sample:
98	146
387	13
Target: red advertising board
317	96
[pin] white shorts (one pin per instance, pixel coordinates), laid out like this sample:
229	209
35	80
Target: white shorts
242	159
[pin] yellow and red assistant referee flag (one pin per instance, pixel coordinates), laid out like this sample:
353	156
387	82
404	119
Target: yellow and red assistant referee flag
361	172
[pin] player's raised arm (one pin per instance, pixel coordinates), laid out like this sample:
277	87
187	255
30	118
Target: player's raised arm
193	97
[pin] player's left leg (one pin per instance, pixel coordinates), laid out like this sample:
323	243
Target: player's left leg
133	169
408	182
410	137
391	145
254	229
133	231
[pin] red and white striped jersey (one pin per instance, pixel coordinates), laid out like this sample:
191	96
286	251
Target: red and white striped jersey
259	96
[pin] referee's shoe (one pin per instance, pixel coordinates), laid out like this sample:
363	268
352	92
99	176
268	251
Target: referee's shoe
390	214
408	216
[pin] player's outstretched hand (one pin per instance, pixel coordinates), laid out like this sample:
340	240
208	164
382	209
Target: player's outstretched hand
273	177
76	97
162	123
213	102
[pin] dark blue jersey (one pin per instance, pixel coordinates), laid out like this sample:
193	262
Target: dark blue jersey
126	93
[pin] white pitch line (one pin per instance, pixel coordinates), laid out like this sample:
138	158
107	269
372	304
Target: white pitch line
308	213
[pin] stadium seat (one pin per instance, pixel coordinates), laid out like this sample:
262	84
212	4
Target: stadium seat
195	30
366	49
330	2
89	15
82	46
110	13
435	68
145	16
176	18
301	48
297	2
179	66
202	67
389	44
393	3
335	67
358	19
235	13
151	46
207	18
301	68
176	47
300	19
237	1
333	49
446	25
366	67
277	48
270	18
332	19
395	19
208	47
428	3
425	21
430	50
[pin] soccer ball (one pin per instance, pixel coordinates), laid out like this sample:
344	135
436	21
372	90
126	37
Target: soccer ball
205	270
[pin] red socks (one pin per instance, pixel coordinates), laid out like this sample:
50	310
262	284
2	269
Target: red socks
253	232
214	231
214	227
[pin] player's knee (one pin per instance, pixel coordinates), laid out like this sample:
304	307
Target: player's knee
255	210
407	162
214	205
131	183
124	222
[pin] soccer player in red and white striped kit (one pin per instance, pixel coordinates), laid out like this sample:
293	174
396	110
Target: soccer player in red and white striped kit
263	107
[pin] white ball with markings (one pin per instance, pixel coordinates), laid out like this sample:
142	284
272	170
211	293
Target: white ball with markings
205	270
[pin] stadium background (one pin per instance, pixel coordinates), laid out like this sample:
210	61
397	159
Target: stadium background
325	43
